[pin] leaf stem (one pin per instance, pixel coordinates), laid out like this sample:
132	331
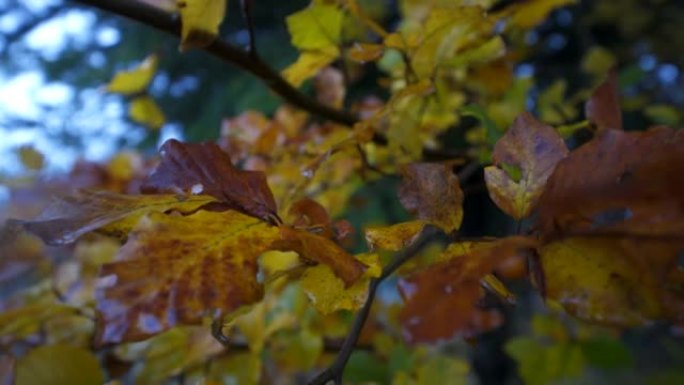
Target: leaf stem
335	371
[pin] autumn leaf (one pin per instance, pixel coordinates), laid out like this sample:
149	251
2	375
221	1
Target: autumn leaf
200	21
145	111
330	88
534	149
603	108
441	301
203	168
315	31
308	64
316	248
328	293
611	281
136	80
31	158
59	365
432	193
316	27
621	182
72	216
529	14
394	237
168	273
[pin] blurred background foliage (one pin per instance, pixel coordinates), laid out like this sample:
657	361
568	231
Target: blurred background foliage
56	57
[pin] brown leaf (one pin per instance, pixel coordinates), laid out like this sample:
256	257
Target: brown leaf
115	214
624	183
329	86
432	193
203	168
319	249
603	108
170	273
535	149
441	301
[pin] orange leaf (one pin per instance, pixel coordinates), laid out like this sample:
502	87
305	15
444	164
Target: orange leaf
316	248
432	193
535	149
603	108
441	301
203	168
177	270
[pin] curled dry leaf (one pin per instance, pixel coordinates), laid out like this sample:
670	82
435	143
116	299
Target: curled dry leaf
329	86
168	273
532	147
319	249
603	108
432	193
441	301
203	168
115	214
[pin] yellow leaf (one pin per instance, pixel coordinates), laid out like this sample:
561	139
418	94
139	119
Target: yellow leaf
168	273
492	49
605	280
201	20
24	321
598	61
531	13
308	64
31	158
395	237
316	27
144	110
59	365
135	80
327	292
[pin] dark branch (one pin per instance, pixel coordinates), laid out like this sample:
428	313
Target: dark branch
171	24
335	371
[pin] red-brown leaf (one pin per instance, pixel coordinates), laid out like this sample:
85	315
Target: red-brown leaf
441	301
603	108
203	168
627	182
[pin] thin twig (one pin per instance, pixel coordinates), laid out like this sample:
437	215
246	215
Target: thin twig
335	371
246	7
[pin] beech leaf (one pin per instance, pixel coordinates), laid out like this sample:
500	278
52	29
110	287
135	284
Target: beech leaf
59	365
70	217
144	110
200	21
316	248
603	108
432	193
135	80
203	168
622	182
441	301
535	149
168	273
611	281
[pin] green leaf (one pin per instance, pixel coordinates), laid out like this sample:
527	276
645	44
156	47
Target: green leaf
606	353
59	365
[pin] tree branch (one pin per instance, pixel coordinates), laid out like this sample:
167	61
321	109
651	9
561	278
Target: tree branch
224	50
335	371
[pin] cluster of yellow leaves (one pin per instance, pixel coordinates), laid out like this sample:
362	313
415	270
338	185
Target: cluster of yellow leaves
134	82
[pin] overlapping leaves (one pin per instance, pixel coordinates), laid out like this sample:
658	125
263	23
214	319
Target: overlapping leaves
187	256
